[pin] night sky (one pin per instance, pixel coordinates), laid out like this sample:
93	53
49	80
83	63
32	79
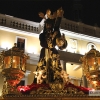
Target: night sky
29	9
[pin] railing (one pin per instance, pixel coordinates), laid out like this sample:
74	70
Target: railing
36	27
21	24
80	27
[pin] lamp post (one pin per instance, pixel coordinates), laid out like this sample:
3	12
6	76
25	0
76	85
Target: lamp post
13	68
91	67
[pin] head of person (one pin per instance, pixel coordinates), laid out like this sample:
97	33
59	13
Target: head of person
49	24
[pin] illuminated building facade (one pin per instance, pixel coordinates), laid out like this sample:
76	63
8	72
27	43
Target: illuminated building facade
25	33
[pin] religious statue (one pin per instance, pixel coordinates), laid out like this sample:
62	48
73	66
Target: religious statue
49	68
50	78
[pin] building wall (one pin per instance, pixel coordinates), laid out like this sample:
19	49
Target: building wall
7	40
81	45
75	73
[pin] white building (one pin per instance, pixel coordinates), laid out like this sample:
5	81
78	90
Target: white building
79	36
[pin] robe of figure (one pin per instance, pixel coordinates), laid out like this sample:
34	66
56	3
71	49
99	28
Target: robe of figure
50	37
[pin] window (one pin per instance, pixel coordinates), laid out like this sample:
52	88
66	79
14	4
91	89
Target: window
89	46
21	42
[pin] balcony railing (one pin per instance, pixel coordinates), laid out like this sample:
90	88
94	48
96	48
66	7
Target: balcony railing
21	24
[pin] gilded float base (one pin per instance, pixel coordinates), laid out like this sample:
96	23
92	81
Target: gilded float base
54	98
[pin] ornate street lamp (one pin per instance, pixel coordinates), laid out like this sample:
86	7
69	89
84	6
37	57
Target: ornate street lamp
91	67
13	67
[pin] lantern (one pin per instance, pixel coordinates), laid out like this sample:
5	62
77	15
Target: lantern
91	67
13	65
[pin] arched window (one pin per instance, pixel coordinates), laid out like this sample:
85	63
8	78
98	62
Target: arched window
89	46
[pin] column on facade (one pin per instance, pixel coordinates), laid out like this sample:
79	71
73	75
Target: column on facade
85	83
26	77
63	63
79	82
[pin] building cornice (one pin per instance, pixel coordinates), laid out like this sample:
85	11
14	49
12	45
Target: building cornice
66	32
80	27
19	31
20	24
36	27
80	36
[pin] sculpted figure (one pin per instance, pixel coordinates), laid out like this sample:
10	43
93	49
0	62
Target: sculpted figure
49	68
